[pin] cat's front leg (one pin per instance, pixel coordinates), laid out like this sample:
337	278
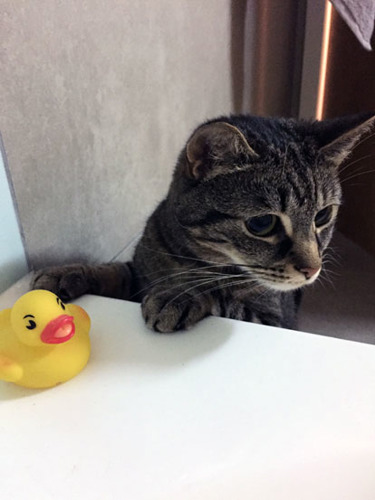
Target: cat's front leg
71	281
167	310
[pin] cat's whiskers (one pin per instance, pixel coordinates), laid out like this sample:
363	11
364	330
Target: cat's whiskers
201	276
332	253
221	286
323	278
357	174
201	284
246	279
186	278
197	282
331	277
333	249
242	293
204	271
329	269
328	273
196	259
350	164
186	270
366	138
186	274
266	292
205	261
330	262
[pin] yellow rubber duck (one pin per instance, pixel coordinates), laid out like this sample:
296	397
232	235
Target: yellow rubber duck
43	342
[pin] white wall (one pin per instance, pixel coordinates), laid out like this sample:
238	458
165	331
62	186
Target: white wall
12	255
97	100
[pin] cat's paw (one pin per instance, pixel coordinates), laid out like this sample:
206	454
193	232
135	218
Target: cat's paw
165	312
68	282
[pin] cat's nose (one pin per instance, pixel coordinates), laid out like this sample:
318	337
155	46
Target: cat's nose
309	272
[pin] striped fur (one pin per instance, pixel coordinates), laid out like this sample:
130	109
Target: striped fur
197	255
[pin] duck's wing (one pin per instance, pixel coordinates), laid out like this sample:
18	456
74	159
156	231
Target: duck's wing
4	317
81	318
10	371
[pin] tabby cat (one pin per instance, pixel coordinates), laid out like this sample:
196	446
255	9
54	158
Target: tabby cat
248	216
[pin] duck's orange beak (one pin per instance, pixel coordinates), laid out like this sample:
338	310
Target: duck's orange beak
58	330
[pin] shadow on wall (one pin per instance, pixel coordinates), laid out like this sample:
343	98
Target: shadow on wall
12	255
11	271
267	41
238	14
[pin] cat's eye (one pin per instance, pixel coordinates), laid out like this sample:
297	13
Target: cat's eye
323	216
263	226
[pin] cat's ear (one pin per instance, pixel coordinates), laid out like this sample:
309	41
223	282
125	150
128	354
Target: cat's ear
214	147
337	137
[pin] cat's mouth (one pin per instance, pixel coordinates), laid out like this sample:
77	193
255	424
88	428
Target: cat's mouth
288	281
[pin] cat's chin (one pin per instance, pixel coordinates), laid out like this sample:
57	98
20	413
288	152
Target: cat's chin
287	287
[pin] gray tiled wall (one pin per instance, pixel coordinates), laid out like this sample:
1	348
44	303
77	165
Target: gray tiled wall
97	100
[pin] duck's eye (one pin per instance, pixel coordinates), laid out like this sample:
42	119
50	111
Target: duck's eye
323	216
59	301
32	323
264	225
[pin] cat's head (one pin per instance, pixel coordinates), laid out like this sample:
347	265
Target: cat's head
263	194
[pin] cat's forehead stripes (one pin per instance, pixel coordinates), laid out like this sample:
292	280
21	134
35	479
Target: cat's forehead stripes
284	196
